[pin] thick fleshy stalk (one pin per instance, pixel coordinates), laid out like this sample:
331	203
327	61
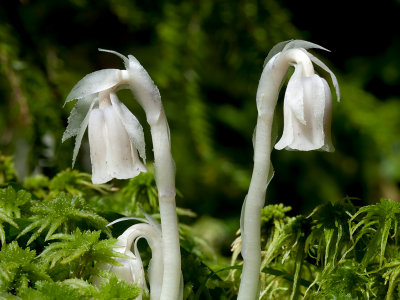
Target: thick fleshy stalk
149	98
165	179
267	96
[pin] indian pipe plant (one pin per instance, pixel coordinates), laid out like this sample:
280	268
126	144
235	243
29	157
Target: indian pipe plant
57	234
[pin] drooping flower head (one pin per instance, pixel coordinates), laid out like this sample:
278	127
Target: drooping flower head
308	101
116	137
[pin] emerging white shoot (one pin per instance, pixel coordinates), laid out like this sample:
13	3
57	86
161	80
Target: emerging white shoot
307	122
132	269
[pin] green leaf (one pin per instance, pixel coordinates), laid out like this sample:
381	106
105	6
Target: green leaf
63	212
19	267
10	208
84	250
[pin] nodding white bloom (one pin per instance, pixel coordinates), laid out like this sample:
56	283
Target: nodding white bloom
307	116
132	267
307	105
116	140
112	152
115	135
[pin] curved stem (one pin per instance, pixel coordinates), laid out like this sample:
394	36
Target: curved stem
267	96
149	98
156	266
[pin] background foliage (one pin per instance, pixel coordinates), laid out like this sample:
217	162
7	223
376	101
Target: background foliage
206	58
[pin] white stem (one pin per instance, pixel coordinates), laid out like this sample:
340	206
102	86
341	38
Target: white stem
267	96
149	98
165	179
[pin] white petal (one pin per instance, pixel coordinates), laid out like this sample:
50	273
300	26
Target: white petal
143	220
98	147
81	132
125	272
137	164
123	57
308	135
324	67
77	116
312	134
302	44
131	124
95	82
294	94
328	146
287	135
120	157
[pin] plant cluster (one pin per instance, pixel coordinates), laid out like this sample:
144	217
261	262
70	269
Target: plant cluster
55	243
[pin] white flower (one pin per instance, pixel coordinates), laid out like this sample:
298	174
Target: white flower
115	135
112	153
307	106
132	267
307	114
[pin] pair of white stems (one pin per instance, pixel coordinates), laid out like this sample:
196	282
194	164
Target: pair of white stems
267	95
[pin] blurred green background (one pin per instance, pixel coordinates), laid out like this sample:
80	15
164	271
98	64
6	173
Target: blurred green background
206	58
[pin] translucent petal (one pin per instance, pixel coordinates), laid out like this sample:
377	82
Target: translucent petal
80	133
148	219
293	108
287	135
325	68
328	146
302	44
308	135
291	44
120	157
131	124
125	271
311	135
77	116
137	164
123	57
98	147
95	82
126	219
294	94
275	50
